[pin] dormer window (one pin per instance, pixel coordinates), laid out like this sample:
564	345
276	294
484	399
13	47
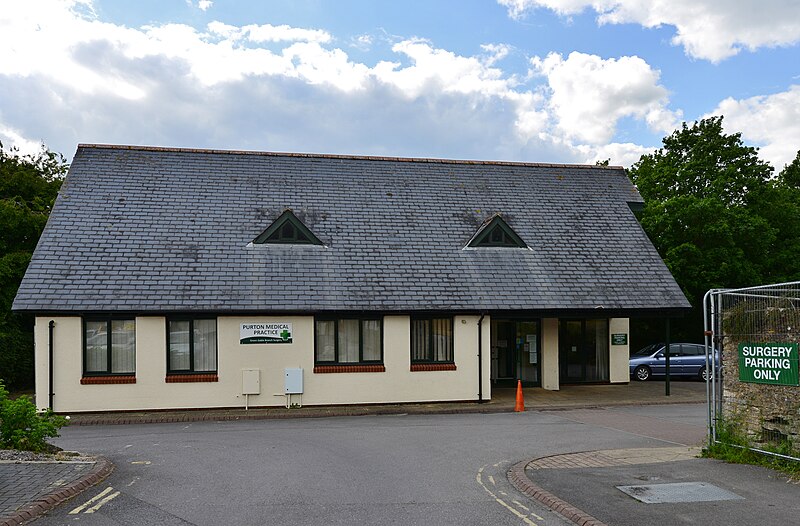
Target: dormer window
495	232
287	230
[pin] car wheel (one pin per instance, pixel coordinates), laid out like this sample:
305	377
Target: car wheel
642	373
703	374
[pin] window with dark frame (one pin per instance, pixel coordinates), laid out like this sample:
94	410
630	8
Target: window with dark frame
287	229
497	233
431	340
346	341
192	346
109	347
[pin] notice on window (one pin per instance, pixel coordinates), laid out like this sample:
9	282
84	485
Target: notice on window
265	333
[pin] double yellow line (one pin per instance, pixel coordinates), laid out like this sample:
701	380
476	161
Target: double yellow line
103	497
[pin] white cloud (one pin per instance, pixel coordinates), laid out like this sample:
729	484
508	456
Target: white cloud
362	42
707	29
284	33
70	77
12	138
771	121
205	5
623	154
589	95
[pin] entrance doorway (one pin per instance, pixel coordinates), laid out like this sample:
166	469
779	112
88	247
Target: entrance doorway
516	353
583	351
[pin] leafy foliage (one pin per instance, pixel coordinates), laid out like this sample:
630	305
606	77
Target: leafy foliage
716	215
28	188
21	427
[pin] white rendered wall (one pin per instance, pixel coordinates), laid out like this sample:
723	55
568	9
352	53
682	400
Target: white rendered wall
550	354
619	355
396	384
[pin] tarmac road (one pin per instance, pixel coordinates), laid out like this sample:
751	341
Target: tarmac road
413	469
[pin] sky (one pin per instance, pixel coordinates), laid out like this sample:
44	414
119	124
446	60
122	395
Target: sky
553	81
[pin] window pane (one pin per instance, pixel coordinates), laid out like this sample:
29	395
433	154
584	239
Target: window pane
348	341
371	330
326	340
205	345
123	346
96	339
287	232
442	340
420	338
179	345
597	336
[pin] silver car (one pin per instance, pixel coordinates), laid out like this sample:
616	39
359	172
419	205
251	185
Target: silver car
685	359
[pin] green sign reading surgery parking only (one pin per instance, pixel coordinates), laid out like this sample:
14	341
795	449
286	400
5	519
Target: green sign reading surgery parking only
768	363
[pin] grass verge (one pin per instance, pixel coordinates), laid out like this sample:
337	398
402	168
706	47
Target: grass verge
735	448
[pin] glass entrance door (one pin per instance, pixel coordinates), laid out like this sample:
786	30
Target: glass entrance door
528	353
515	352
503	350
583	351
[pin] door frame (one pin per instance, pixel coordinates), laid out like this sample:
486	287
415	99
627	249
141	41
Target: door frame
583	350
518	351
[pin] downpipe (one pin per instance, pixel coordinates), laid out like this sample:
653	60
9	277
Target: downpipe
50	331
480	358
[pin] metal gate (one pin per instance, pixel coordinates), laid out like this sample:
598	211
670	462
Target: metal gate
754	334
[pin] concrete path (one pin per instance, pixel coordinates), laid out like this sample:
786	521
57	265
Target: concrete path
569	397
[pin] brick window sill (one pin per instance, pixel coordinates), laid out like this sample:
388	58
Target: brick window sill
107	380
349	368
188	378
433	367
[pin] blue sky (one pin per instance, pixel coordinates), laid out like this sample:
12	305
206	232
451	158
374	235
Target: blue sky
524	80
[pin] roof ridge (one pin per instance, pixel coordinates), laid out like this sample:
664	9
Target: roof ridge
344	156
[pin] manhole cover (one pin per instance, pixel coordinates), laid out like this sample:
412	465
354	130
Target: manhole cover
678	492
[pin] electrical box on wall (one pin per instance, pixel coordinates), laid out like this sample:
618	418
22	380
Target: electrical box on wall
251	381
293	380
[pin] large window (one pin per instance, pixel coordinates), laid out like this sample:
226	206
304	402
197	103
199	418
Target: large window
431	340
192	346
109	347
349	341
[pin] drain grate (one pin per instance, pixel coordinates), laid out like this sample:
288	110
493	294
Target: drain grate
678	492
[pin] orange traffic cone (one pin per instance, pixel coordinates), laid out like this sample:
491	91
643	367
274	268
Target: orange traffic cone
520	405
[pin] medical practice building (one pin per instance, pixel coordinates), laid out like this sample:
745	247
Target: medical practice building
180	278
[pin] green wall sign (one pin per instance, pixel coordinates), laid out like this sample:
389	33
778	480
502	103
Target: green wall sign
250	333
768	363
619	339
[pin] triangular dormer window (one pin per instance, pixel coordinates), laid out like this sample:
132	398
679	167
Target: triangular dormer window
495	232
287	230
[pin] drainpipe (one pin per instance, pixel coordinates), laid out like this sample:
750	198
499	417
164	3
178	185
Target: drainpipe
51	328
480	358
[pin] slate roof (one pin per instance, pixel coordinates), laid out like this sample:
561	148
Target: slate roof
165	230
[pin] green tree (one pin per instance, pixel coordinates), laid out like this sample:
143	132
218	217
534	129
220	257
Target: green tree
780	205
790	175
29	185
716	215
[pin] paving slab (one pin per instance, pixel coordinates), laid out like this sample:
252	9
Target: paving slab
28	489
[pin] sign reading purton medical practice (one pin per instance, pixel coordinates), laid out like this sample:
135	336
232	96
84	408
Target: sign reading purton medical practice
768	363
265	333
